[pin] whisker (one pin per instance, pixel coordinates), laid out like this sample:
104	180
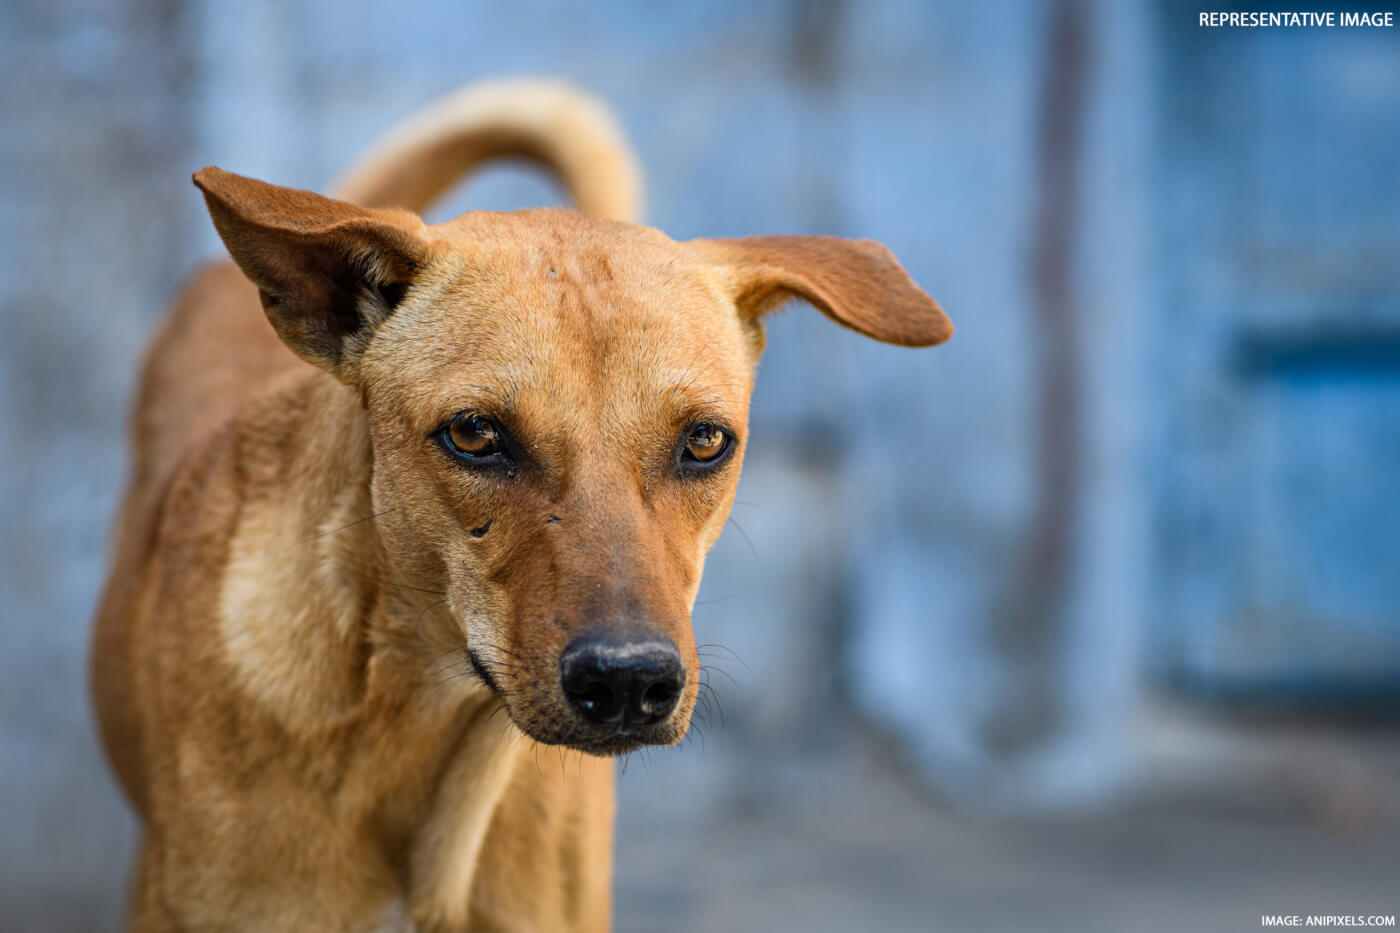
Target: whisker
370	571
719	706
717	599
454	675
727	650
418	622
721	671
697	731
708	710
357	521
416	589
745	535
448	660
496	649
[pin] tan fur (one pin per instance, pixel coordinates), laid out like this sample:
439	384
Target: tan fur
279	664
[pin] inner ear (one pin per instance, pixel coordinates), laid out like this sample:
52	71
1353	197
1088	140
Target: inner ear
859	284
391	293
328	272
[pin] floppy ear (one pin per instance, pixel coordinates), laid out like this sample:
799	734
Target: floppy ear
329	272
857	283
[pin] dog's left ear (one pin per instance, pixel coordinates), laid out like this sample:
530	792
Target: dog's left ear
329	272
857	283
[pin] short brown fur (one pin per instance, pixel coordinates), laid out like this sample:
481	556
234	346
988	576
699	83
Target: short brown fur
279	660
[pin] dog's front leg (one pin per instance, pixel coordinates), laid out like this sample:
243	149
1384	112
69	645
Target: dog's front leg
449	847
547	860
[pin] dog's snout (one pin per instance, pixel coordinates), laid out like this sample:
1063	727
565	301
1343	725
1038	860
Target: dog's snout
622	683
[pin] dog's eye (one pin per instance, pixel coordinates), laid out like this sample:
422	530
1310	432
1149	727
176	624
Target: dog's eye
705	442
705	445
473	436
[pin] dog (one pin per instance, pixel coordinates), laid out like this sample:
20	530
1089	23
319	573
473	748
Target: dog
382	561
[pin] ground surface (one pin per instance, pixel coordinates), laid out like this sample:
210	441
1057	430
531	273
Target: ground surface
872	854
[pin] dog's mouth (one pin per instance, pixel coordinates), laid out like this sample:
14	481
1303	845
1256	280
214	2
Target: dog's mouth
484	674
585	723
614	746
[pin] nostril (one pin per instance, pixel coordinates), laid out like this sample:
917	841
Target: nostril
658	699
659	694
598	701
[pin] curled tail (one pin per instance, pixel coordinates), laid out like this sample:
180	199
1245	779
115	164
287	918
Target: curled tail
548	122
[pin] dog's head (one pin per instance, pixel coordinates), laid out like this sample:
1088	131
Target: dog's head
558	407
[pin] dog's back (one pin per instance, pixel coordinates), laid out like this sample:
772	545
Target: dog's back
216	350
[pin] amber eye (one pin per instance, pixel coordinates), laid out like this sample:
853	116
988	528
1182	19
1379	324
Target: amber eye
473	436
706	443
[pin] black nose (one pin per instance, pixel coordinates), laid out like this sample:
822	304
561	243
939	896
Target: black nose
617	681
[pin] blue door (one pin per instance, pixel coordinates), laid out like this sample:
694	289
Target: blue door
1276	364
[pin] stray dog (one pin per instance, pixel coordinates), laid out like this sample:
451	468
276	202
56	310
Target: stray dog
471	469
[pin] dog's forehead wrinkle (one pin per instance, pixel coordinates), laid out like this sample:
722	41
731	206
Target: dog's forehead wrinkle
571	366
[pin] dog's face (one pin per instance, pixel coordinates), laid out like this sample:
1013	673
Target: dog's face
558	407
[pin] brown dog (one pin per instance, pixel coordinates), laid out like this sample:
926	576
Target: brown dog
483	480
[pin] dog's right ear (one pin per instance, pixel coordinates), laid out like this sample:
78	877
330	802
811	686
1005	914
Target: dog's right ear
329	272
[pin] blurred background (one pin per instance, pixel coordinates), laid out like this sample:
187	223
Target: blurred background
1086	621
